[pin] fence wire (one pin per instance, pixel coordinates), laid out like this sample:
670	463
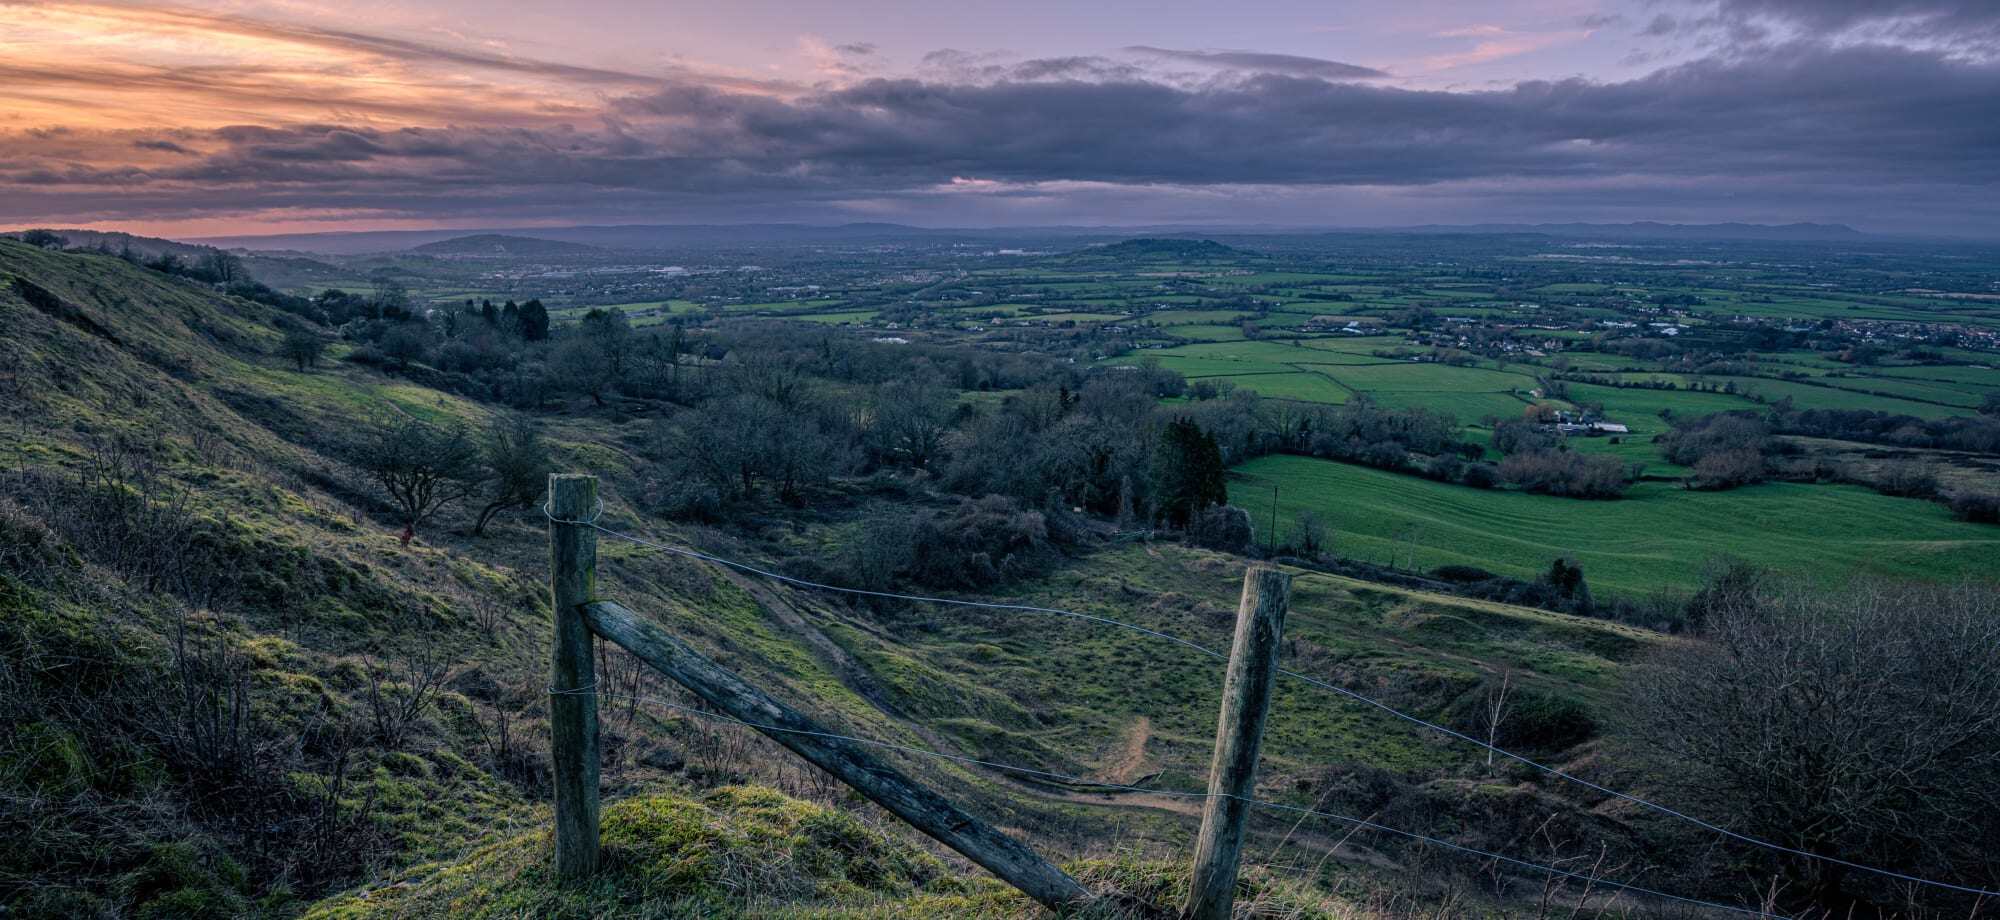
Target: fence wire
691	553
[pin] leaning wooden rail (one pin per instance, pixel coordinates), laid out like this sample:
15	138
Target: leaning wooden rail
573	721
578	615
923	809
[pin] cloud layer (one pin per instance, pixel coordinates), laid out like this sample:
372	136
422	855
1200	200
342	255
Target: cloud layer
1791	127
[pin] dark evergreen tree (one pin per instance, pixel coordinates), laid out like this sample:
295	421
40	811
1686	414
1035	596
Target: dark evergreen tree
1187	473
534	321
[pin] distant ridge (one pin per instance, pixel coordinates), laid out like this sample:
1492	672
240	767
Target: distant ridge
114	240
1152	247
661	236
1658	231
503	246
635	236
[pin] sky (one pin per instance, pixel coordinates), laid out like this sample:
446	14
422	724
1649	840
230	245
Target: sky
251	116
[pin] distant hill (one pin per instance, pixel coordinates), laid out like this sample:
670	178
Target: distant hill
1159	248
708	236
114	241
1654	230
504	246
635	236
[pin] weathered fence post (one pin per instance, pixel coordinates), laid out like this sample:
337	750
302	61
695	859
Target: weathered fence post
573	673
1246	700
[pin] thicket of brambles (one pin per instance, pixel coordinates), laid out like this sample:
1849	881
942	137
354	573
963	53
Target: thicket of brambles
1855	720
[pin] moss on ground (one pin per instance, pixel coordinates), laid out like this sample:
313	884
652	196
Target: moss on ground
747	851
735	851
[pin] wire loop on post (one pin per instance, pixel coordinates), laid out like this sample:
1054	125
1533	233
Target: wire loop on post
596	512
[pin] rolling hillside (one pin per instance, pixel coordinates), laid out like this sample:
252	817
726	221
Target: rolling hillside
230	691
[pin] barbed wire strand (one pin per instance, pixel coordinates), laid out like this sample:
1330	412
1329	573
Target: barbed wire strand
1079	781
1308	679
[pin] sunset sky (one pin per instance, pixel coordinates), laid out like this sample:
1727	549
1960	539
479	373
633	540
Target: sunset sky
297	115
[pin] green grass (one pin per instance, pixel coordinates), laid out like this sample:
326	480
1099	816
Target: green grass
1077	317
1191	317
1658	537
1208	333
1639	407
840	316
1302	386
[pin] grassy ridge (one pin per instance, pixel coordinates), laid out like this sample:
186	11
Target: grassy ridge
1656	538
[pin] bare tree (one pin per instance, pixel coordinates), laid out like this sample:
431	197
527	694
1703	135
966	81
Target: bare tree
1312	534
423	466
1862	723
399	693
911	421
520	466
579	365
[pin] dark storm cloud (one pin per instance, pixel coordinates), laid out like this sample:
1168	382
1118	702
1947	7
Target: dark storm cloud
1801	122
1262	62
1858	111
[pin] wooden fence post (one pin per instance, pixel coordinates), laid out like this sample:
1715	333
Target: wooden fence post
924	809
1246	700
573	673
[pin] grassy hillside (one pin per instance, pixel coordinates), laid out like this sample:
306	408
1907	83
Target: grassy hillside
227	689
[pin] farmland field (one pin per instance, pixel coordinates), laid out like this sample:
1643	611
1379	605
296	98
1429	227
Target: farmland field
1656	538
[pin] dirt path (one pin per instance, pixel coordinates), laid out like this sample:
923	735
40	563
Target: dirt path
1130	763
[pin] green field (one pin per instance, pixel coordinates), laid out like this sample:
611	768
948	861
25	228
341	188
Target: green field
1656	538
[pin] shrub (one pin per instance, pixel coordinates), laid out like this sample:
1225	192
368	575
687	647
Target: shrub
1728	469
302	345
1977	507
1874	703
1566	473
1312	535
1482	476
686	498
1222	527
1693	440
1446	468
1907	479
1462	574
979	543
